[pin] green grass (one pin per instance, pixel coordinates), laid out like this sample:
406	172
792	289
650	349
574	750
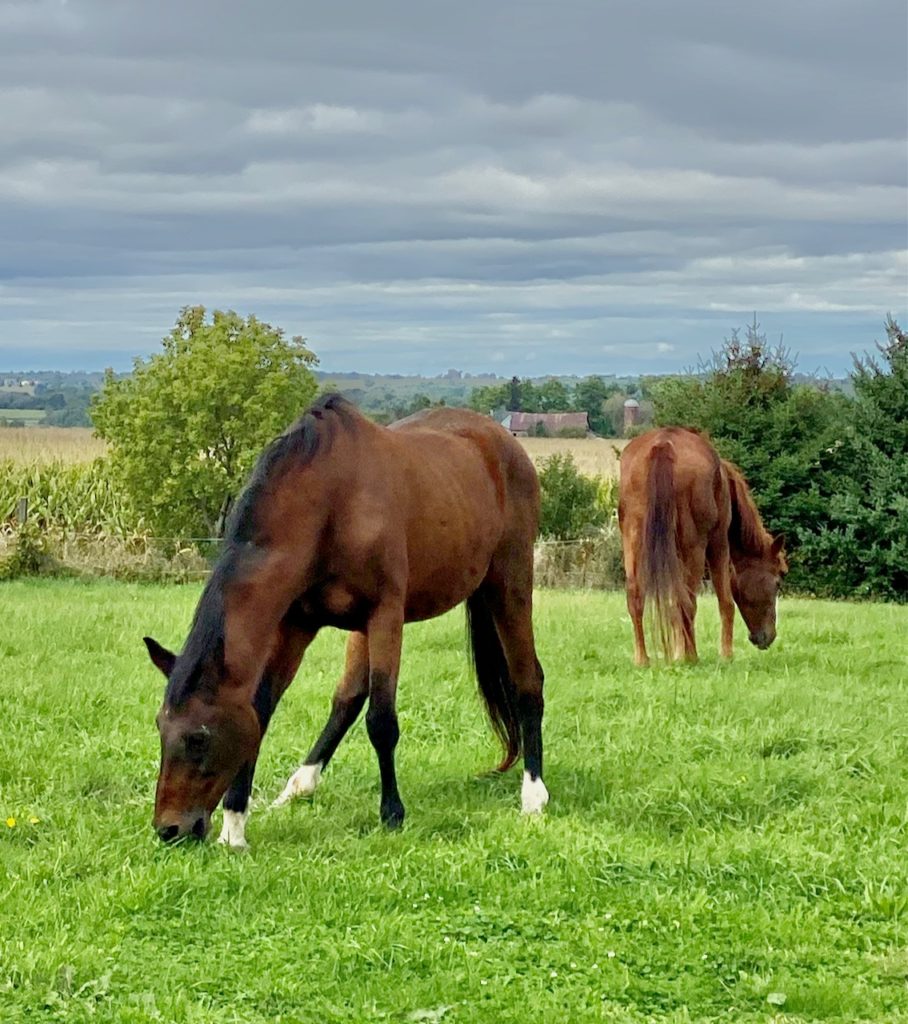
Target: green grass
724	842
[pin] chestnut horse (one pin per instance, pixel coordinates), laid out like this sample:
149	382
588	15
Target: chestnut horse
682	508
349	524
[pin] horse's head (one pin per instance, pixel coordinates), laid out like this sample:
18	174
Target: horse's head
755	586
206	737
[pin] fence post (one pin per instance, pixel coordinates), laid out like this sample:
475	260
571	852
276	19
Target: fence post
22	510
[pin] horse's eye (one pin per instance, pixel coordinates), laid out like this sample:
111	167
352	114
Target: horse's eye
197	744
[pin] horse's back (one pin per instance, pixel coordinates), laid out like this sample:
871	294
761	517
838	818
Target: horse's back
471	435
465	492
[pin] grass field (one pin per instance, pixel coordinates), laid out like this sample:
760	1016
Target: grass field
23	415
724	842
594	456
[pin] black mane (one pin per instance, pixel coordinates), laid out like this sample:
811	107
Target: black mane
299	444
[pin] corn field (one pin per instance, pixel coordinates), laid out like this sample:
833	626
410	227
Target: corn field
76	497
80	521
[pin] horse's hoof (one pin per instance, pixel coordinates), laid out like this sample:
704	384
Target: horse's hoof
233	831
303	782
392	815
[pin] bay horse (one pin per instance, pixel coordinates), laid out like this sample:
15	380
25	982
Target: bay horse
350	524
682	507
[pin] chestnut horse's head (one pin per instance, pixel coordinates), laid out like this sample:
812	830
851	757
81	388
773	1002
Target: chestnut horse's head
207	735
755	584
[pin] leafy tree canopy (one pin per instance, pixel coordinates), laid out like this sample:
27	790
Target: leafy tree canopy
186	427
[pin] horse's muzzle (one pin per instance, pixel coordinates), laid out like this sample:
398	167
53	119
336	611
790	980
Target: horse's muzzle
194	825
762	640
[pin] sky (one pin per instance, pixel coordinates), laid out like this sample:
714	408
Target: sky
512	186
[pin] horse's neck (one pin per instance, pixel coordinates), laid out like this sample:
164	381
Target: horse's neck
254	609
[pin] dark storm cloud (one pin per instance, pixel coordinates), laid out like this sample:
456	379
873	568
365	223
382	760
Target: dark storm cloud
577	187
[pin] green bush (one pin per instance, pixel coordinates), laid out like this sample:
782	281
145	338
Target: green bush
571	503
29	555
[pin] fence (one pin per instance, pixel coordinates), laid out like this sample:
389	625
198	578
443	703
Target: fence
591	563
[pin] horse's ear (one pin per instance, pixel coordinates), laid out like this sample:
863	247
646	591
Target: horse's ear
160	656
778	544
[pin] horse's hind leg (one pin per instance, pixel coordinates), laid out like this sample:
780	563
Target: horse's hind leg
630	543
277	676
509	596
346	705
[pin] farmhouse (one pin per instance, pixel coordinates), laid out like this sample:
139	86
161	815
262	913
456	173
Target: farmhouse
550	424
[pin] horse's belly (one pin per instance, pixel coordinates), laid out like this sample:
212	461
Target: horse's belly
439	579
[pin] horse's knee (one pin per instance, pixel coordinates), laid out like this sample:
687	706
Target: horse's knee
381	726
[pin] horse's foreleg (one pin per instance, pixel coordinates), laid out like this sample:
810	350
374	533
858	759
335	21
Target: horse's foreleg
346	705
277	677
720	572
385	633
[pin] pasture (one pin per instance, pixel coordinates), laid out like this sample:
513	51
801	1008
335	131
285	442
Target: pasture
724	842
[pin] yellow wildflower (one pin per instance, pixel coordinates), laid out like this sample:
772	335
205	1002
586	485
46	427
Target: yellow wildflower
33	820
10	822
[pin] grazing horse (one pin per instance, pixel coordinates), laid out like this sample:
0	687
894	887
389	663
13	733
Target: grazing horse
681	508
349	524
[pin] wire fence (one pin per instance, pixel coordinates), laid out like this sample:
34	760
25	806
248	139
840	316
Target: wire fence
592	562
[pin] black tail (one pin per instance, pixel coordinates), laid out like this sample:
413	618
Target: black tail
493	677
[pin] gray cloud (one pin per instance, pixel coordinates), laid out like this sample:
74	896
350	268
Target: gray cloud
577	187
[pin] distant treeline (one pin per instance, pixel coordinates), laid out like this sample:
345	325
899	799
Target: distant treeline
67	407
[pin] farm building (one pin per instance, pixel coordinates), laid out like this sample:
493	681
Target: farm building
631	414
528	424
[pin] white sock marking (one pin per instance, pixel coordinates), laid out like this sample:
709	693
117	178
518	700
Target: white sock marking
302	782
533	795
233	831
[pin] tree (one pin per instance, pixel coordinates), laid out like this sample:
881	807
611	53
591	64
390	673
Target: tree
490	397
515	397
552	396
861	545
590	396
186	427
